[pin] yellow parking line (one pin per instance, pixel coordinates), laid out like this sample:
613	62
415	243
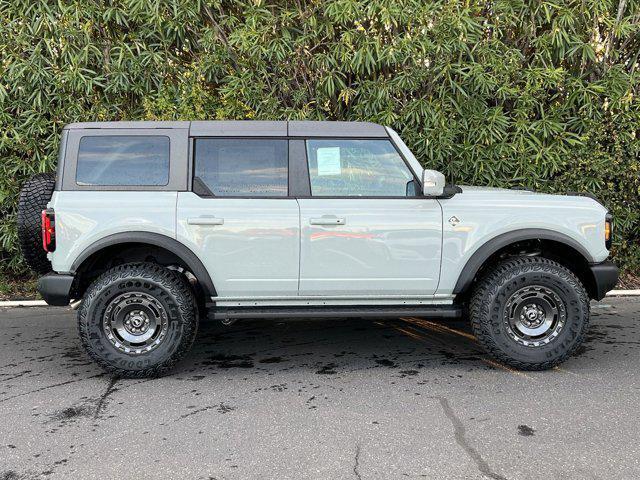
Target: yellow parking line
441	328
411	334
495	364
562	370
436	326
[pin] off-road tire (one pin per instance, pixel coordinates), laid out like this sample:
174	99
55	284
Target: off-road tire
34	196
174	294
491	294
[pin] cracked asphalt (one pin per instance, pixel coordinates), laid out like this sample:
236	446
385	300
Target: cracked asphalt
396	398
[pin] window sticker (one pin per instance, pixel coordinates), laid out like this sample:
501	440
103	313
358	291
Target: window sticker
328	161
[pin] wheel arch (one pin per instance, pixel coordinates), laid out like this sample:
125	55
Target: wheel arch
155	240
566	247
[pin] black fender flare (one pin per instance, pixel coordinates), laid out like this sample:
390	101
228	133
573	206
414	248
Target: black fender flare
189	258
490	247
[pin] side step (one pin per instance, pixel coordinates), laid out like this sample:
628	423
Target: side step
430	311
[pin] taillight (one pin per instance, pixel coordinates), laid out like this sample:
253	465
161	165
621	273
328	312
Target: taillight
48	230
608	230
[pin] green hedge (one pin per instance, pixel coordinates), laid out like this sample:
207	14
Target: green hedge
542	94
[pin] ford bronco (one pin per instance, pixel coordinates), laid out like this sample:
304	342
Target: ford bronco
149	227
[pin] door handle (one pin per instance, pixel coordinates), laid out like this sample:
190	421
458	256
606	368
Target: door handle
328	220
205	221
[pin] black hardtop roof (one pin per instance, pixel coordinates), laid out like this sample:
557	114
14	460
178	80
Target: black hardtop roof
248	128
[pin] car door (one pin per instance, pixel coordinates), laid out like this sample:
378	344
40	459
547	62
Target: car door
365	229
239	219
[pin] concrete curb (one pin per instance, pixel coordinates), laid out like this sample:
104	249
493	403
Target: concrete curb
623	293
42	303
23	303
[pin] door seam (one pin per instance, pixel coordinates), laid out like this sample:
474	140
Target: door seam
441	247
299	245
175	218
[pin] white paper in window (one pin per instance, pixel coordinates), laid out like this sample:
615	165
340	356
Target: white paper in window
328	161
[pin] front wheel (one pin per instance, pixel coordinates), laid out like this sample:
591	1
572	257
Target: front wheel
530	313
138	320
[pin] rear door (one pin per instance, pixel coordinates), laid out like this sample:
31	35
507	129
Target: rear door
239	218
366	230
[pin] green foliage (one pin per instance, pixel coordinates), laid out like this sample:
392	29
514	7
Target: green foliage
543	94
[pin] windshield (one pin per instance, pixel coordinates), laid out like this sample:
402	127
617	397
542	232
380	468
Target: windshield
406	153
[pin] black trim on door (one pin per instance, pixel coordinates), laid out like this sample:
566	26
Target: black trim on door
299	185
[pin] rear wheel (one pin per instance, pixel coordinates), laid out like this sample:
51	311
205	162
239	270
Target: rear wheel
530	312
138	320
34	196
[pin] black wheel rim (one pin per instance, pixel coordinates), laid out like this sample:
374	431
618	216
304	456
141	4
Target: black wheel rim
534	316
135	323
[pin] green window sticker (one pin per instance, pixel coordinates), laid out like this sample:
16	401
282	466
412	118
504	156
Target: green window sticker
328	161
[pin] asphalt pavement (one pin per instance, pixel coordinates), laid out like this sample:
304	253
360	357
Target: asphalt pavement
323	399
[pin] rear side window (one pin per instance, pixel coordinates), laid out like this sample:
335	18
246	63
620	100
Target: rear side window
241	167
358	168
115	160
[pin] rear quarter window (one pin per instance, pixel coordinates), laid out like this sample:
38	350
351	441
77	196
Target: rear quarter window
121	160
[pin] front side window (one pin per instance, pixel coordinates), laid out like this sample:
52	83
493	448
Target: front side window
358	168
241	167
123	160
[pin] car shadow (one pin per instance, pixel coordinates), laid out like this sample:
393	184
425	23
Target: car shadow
332	347
42	344
405	345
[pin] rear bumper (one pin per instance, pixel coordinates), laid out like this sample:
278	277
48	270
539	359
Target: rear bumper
605	276
55	288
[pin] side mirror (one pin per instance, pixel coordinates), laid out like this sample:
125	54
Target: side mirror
433	183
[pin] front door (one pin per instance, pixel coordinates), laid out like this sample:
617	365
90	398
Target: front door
365	230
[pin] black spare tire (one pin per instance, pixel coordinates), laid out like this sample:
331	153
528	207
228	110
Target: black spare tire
34	196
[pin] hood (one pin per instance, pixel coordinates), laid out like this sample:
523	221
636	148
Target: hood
519	192
494	190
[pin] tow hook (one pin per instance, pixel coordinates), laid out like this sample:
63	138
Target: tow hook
227	322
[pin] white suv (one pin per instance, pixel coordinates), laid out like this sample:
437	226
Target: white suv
155	225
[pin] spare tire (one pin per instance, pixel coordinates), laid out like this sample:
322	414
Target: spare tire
34	196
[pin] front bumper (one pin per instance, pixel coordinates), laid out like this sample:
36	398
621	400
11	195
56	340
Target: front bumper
55	288
605	276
